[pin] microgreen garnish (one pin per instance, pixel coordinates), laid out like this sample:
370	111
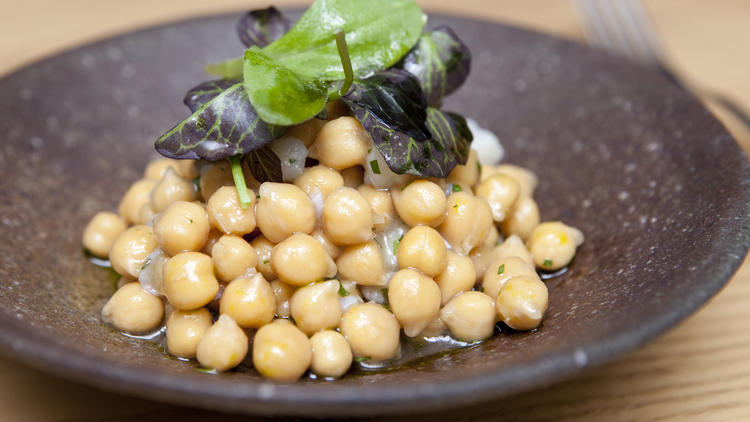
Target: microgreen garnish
239	182
396	243
501	269
346	63
457	188
265	261
342	291
547	263
375	166
362	358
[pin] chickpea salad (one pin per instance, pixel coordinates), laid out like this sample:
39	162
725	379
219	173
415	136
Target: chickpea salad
318	211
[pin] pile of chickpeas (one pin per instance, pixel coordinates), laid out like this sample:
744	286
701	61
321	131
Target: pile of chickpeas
330	266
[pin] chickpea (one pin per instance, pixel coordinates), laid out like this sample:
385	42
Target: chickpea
182	227
306	131
353	177
458	276
526	179
263	248
213	176
282	292
187	169
137	195
347	217
281	352
213	237
189	280
470	316
101	233
316	307
513	246
435	328
341	143
283	209
171	188
331	248
381	204
226	213
223	346
503	269
522	302
467	174
155	170
420	202
415	300
422	248
371	330
501	192
300	260
185	330
133	310
553	245
492	237
362	263
146	214
130	250
523	218
249	301
468	222
331	354
232	257
325	179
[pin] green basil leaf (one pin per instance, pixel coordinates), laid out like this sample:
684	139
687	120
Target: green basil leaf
280	95
262	26
395	97
230	69
226	125
205	92
378	34
264	164
441	62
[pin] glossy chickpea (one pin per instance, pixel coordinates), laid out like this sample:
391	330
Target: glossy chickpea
513	246
155	170
424	249
300	260
467	174
101	233
371	330
331	248
526	179
306	131
249	301
185	330
136	196
436	327
323	178
553	245
415	300
187	169
458	276
380	201
223	346
213	176
523	218
133	310
468	221
263	248
470	316
362	263
146	214
283	209
171	188
501	270
189	280
347	217
522	302
420	202
501	192
331	354
282	293
316	307
182	227
232	257
227	214
281	352
354	177
341	143
130	250
213	237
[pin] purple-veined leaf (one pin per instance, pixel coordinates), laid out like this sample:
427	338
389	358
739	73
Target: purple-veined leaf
264	164
262	26
205	92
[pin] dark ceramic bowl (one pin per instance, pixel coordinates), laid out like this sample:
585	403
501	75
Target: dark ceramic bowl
657	185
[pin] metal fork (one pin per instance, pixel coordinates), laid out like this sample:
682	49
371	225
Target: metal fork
624	27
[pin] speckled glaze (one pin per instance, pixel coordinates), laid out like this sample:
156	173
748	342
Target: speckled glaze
657	185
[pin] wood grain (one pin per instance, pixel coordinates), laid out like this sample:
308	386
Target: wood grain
700	371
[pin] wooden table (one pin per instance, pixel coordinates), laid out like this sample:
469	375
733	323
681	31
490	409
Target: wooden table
699	371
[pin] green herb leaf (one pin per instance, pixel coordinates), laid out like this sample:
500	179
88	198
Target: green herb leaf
224	126
457	188
229	69
441	62
547	263
262	26
501	269
342	291
362	358
375	166
378	34
281	95
264	164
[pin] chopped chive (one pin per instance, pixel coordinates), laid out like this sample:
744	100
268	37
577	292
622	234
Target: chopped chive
292	161
481	289
265	261
145	263
479	167
396	243
384	290
342	290
362	358
206	370
239	181
375	166
385	305
190	220
197	183
257	196
547	263
404	187
457	188
455	205
501	269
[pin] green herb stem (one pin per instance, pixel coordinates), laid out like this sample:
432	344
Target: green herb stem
346	62
239	181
